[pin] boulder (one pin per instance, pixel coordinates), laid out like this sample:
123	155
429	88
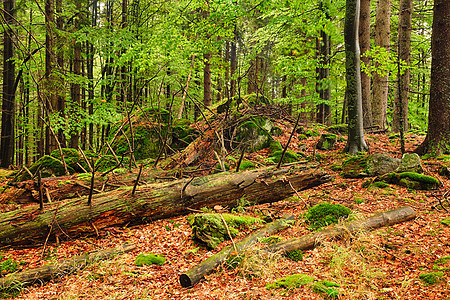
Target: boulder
410	163
411	180
379	164
255	133
326	141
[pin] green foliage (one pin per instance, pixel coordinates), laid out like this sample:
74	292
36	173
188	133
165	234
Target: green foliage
149	259
432	277
289	157
324	214
295	255
8	266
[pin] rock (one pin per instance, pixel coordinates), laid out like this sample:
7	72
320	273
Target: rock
379	164
338	129
410	163
255	133
411	180
326	141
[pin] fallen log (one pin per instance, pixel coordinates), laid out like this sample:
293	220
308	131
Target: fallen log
59	269
311	240
30	226
195	274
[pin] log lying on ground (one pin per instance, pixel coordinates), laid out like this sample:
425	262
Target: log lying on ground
309	241
59	269
30	226
193	275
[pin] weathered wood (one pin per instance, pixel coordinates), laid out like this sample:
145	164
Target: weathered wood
195	274
311	240
62	268
30	226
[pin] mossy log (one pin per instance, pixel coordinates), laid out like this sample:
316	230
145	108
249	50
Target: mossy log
59	269
30	226
195	274
311	240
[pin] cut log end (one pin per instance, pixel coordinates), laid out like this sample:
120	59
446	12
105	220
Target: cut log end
185	281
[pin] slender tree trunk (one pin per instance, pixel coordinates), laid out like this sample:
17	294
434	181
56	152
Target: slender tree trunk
207	80
364	43
355	141
233	63
8	104
404	55
437	140
381	83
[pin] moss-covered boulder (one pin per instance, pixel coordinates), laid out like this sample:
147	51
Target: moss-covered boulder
410	163
254	132
182	134
71	156
326	141
289	157
411	180
210	229
338	129
369	165
149	259
48	166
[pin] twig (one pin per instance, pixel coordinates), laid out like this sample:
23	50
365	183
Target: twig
28	171
50	231
240	159
289	140
85	158
137	180
49	199
88	187
298	195
185	186
228	231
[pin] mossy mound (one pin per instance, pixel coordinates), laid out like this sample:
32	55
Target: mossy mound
369	165
275	146
48	166
295	255
210	229
355	166
326	141
254	132
247	165
273	239
149	259
276	131
411	180
432	277
71	156
324	214
289	157
338	129
410	163
291	282
326	289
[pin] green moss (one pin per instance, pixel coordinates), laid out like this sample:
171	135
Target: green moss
275	146
302	136
289	156
380	184
273	239
432	277
311	132
324	214
338	129
8	266
149	259
419	177
246	165
445	221
355	166
276	131
291	282
417	181
49	166
295	255
233	261
442	260
445	158
326	289
209	228
71	156
255	133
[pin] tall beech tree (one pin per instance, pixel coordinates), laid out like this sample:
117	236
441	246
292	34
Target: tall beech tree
355	141
364	43
437	140
8	102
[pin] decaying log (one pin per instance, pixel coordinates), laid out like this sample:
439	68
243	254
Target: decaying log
59	269
311	240
195	274
29	226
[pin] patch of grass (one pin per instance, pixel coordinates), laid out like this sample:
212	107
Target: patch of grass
8	266
324	214
432	277
150	259
326	289
254	263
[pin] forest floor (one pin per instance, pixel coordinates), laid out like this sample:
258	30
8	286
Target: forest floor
381	264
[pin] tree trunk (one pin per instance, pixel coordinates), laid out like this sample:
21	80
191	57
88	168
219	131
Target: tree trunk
233	64
355	141
155	201
207	95
364	43
381	83
404	56
313	239
9	103
56	270
437	140
195	274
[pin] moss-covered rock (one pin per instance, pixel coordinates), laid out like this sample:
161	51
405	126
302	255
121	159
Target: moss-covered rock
48	166
311	132
295	255
324	214
326	141
410	163
369	165
289	157
255	133
247	165
71	156
149	259
275	146
432	277
276	131
210	229
355	166
411	180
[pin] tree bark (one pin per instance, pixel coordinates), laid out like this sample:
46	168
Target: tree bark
364	43
381	83
155	201
9	103
355	141
56	270
313	239
437	140
404	56
195	274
